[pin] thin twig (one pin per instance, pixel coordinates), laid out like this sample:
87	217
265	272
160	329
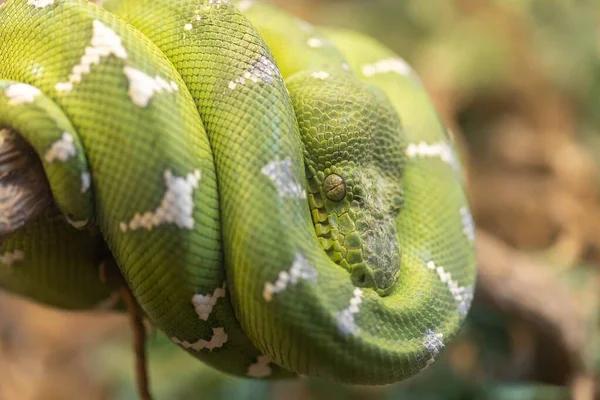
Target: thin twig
583	388
139	341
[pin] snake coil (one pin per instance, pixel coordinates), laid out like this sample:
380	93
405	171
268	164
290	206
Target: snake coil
280	198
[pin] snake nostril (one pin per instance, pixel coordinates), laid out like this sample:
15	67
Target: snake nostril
361	279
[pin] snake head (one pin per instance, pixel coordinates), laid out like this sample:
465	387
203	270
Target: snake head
354	157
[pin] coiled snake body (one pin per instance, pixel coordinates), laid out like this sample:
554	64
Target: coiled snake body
279	198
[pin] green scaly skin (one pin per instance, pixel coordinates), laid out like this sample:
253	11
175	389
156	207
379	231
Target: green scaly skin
234	146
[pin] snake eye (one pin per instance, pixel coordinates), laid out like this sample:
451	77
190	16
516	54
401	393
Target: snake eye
334	187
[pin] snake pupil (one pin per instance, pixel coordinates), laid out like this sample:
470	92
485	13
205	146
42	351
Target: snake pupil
334	187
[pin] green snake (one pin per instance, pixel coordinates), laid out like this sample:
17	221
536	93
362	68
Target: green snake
281	199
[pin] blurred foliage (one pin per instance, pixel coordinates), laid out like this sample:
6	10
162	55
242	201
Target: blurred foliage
176	375
518	82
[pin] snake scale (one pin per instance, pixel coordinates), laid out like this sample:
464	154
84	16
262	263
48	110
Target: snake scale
281	199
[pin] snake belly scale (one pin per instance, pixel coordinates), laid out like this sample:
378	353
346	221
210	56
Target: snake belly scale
281	199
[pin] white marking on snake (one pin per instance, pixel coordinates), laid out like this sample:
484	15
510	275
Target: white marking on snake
218	339
300	270
245	5
142	86
104	43
345	318
346	67
10	257
262	70
41	3
203	304
76	224
451	135
14	198
442	150
315	43
468	224
37	69
188	27
218	2
322	75
462	295
280	173
62	149
86	181
305	26
261	368
176	206
433	343
21	93
396	65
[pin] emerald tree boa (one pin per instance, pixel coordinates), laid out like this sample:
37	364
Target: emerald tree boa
281	199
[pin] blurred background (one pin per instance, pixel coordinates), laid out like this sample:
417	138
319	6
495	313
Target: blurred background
518	83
